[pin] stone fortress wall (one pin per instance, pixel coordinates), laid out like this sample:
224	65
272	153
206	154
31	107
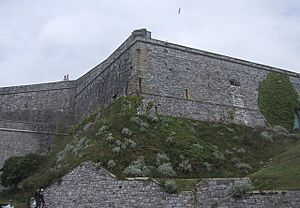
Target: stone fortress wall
181	81
30	116
204	86
91	186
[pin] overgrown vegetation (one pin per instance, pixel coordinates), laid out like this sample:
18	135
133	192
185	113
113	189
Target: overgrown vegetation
166	147
278	100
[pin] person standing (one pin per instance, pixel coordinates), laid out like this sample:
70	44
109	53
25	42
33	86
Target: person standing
42	197
39	198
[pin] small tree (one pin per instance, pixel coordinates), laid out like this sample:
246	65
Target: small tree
278	100
16	169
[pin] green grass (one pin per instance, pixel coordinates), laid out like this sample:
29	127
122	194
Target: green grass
283	172
209	147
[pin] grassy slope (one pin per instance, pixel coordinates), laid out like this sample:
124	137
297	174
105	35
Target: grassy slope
283	172
199	142
195	140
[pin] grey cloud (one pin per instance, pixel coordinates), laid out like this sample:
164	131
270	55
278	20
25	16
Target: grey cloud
41	41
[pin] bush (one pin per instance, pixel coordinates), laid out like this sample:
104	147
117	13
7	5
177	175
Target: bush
185	166
170	186
208	166
118	143
228	152
129	143
116	150
79	145
235	160
154	119
137	168
102	130
60	157
88	127
239	190
170	140
110	139
241	150
126	132
279	130
266	136
166	169
161	158
244	167
16	169
199	146
136	121
142	129
218	155
111	164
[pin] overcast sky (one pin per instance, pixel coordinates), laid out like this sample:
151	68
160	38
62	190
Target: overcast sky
42	40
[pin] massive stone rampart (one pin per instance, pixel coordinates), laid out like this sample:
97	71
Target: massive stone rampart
91	186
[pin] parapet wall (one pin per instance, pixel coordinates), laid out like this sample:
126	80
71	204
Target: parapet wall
49	103
92	186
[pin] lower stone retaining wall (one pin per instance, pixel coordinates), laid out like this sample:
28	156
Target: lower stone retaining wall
215	193
90	186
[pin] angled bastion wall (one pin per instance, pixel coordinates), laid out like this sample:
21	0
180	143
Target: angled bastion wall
116	76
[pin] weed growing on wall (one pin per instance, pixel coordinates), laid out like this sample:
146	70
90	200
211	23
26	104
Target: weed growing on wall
240	190
278	100
170	186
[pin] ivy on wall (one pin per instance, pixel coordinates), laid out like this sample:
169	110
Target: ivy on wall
278	100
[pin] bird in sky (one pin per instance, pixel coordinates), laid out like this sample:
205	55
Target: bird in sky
179	10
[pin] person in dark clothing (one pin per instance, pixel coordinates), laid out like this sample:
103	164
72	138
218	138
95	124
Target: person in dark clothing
42	197
39	198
